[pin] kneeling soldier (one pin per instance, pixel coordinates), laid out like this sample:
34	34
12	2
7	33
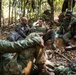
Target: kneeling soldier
26	50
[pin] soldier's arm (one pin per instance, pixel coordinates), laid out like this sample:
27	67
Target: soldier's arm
11	47
71	23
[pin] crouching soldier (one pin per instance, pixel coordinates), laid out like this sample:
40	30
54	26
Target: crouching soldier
70	34
68	19
26	50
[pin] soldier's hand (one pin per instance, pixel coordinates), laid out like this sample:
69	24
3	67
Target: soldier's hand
47	27
63	31
69	27
42	42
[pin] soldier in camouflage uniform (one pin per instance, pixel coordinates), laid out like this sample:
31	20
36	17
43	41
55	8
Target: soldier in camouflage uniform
26	50
70	33
20	32
45	32
67	21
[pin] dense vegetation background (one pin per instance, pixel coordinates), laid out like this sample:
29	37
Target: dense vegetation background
12	10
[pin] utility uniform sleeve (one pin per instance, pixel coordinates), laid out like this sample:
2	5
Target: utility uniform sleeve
65	70
62	25
11	47
72	21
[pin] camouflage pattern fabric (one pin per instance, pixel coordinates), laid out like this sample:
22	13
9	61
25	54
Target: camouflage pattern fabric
61	70
26	51
64	25
11	47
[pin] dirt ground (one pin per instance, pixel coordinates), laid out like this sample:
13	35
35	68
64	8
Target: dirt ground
60	55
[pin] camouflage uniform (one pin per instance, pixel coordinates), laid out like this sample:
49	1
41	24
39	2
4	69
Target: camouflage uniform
61	70
70	33
65	5
26	51
21	31
69	70
64	25
45	34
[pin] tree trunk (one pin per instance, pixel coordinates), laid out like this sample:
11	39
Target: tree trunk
9	12
51	3
21	8
20	11
52	10
39	7
70	2
15	15
12	15
24	9
0	11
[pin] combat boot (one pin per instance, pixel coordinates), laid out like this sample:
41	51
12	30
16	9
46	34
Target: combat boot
68	44
72	47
